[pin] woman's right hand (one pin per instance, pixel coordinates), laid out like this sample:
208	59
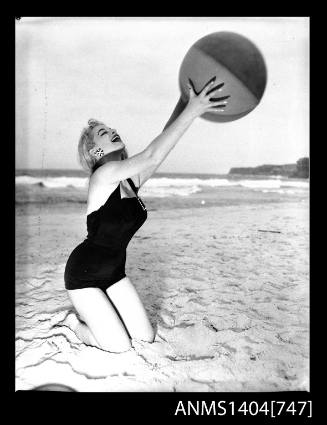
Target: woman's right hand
200	103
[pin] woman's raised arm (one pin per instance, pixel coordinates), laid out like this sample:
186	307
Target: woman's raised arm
156	152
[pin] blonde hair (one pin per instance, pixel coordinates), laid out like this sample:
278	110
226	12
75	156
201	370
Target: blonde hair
86	143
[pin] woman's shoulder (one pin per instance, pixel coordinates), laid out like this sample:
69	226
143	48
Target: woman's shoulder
98	193
97	183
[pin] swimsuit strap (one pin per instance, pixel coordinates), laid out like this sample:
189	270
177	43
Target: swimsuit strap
136	190
130	181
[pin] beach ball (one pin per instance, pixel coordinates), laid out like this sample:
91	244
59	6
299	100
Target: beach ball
236	62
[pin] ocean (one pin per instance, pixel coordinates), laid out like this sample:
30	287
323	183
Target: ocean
164	190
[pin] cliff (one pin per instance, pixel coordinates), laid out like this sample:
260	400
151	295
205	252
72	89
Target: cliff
300	169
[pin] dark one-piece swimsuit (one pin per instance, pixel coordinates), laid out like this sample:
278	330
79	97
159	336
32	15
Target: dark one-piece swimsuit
99	261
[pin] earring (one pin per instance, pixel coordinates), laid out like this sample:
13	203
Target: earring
99	152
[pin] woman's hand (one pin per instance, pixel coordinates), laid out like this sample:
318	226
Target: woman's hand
200	103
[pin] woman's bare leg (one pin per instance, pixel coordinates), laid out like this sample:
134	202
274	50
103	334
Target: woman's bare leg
125	298
80	329
103	328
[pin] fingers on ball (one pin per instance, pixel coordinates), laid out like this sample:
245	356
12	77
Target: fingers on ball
219	99
218	106
210	82
208	86
217	88
190	84
215	109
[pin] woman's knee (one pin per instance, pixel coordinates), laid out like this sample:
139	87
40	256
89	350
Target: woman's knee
101	319
147	335
116	345
116	348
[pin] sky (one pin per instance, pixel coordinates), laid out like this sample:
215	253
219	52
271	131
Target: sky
124	72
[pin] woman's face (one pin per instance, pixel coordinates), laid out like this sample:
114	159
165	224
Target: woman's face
107	139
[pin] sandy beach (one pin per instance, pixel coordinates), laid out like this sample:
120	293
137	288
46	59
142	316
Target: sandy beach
226	288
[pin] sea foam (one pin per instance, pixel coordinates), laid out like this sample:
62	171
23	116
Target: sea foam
171	186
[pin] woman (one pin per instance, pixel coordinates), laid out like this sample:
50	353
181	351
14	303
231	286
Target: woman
101	293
